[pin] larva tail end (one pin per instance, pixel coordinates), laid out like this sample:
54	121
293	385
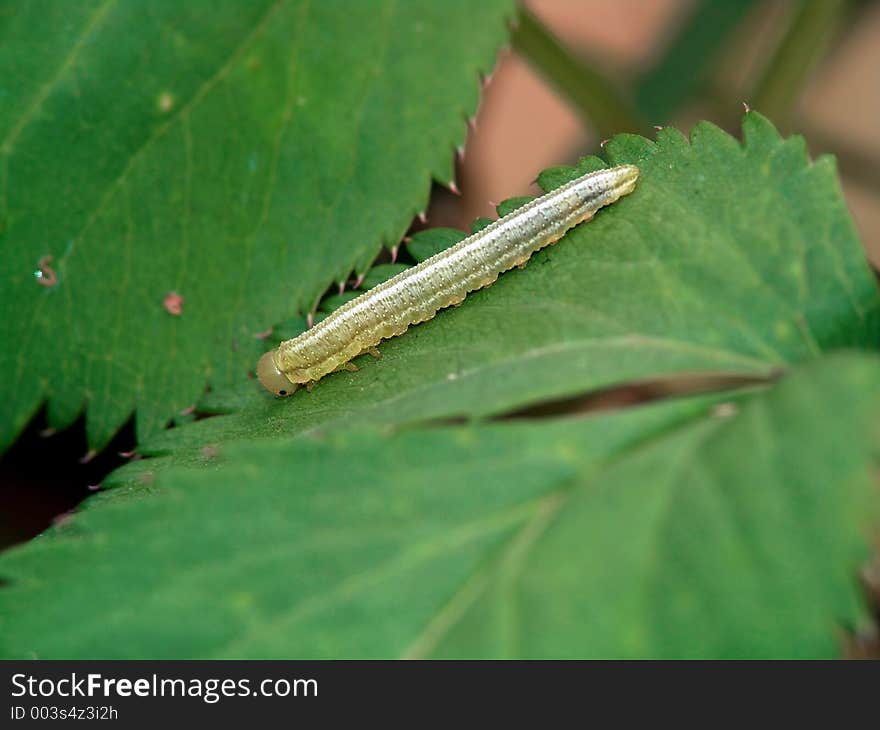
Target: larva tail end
271	378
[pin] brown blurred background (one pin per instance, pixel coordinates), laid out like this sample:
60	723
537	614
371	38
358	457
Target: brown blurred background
525	123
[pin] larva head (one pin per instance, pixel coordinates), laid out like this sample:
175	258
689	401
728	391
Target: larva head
604	187
629	174
271	378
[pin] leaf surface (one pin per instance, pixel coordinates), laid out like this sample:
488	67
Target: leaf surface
242	156
665	531
728	258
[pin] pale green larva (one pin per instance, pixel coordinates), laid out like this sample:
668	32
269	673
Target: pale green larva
415	295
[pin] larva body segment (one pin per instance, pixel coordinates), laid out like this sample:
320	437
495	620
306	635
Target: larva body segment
415	295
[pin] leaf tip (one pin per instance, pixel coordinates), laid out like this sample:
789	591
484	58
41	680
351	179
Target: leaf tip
759	133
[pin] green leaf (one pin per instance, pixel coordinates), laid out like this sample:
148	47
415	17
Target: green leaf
665	531
287	330
380	273
424	244
735	537
479	224
727	258
242	155
328	304
506	207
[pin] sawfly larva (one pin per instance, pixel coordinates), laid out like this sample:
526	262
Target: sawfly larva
415	295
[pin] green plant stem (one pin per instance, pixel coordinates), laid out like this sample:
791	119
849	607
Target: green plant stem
583	86
812	29
689	57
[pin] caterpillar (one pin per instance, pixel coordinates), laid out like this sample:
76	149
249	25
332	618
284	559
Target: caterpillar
445	279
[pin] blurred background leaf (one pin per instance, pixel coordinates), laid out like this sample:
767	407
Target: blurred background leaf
595	98
689	57
812	28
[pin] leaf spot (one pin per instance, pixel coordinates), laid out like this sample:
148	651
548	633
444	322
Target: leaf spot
165	102
210	451
45	274
173	303
725	410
